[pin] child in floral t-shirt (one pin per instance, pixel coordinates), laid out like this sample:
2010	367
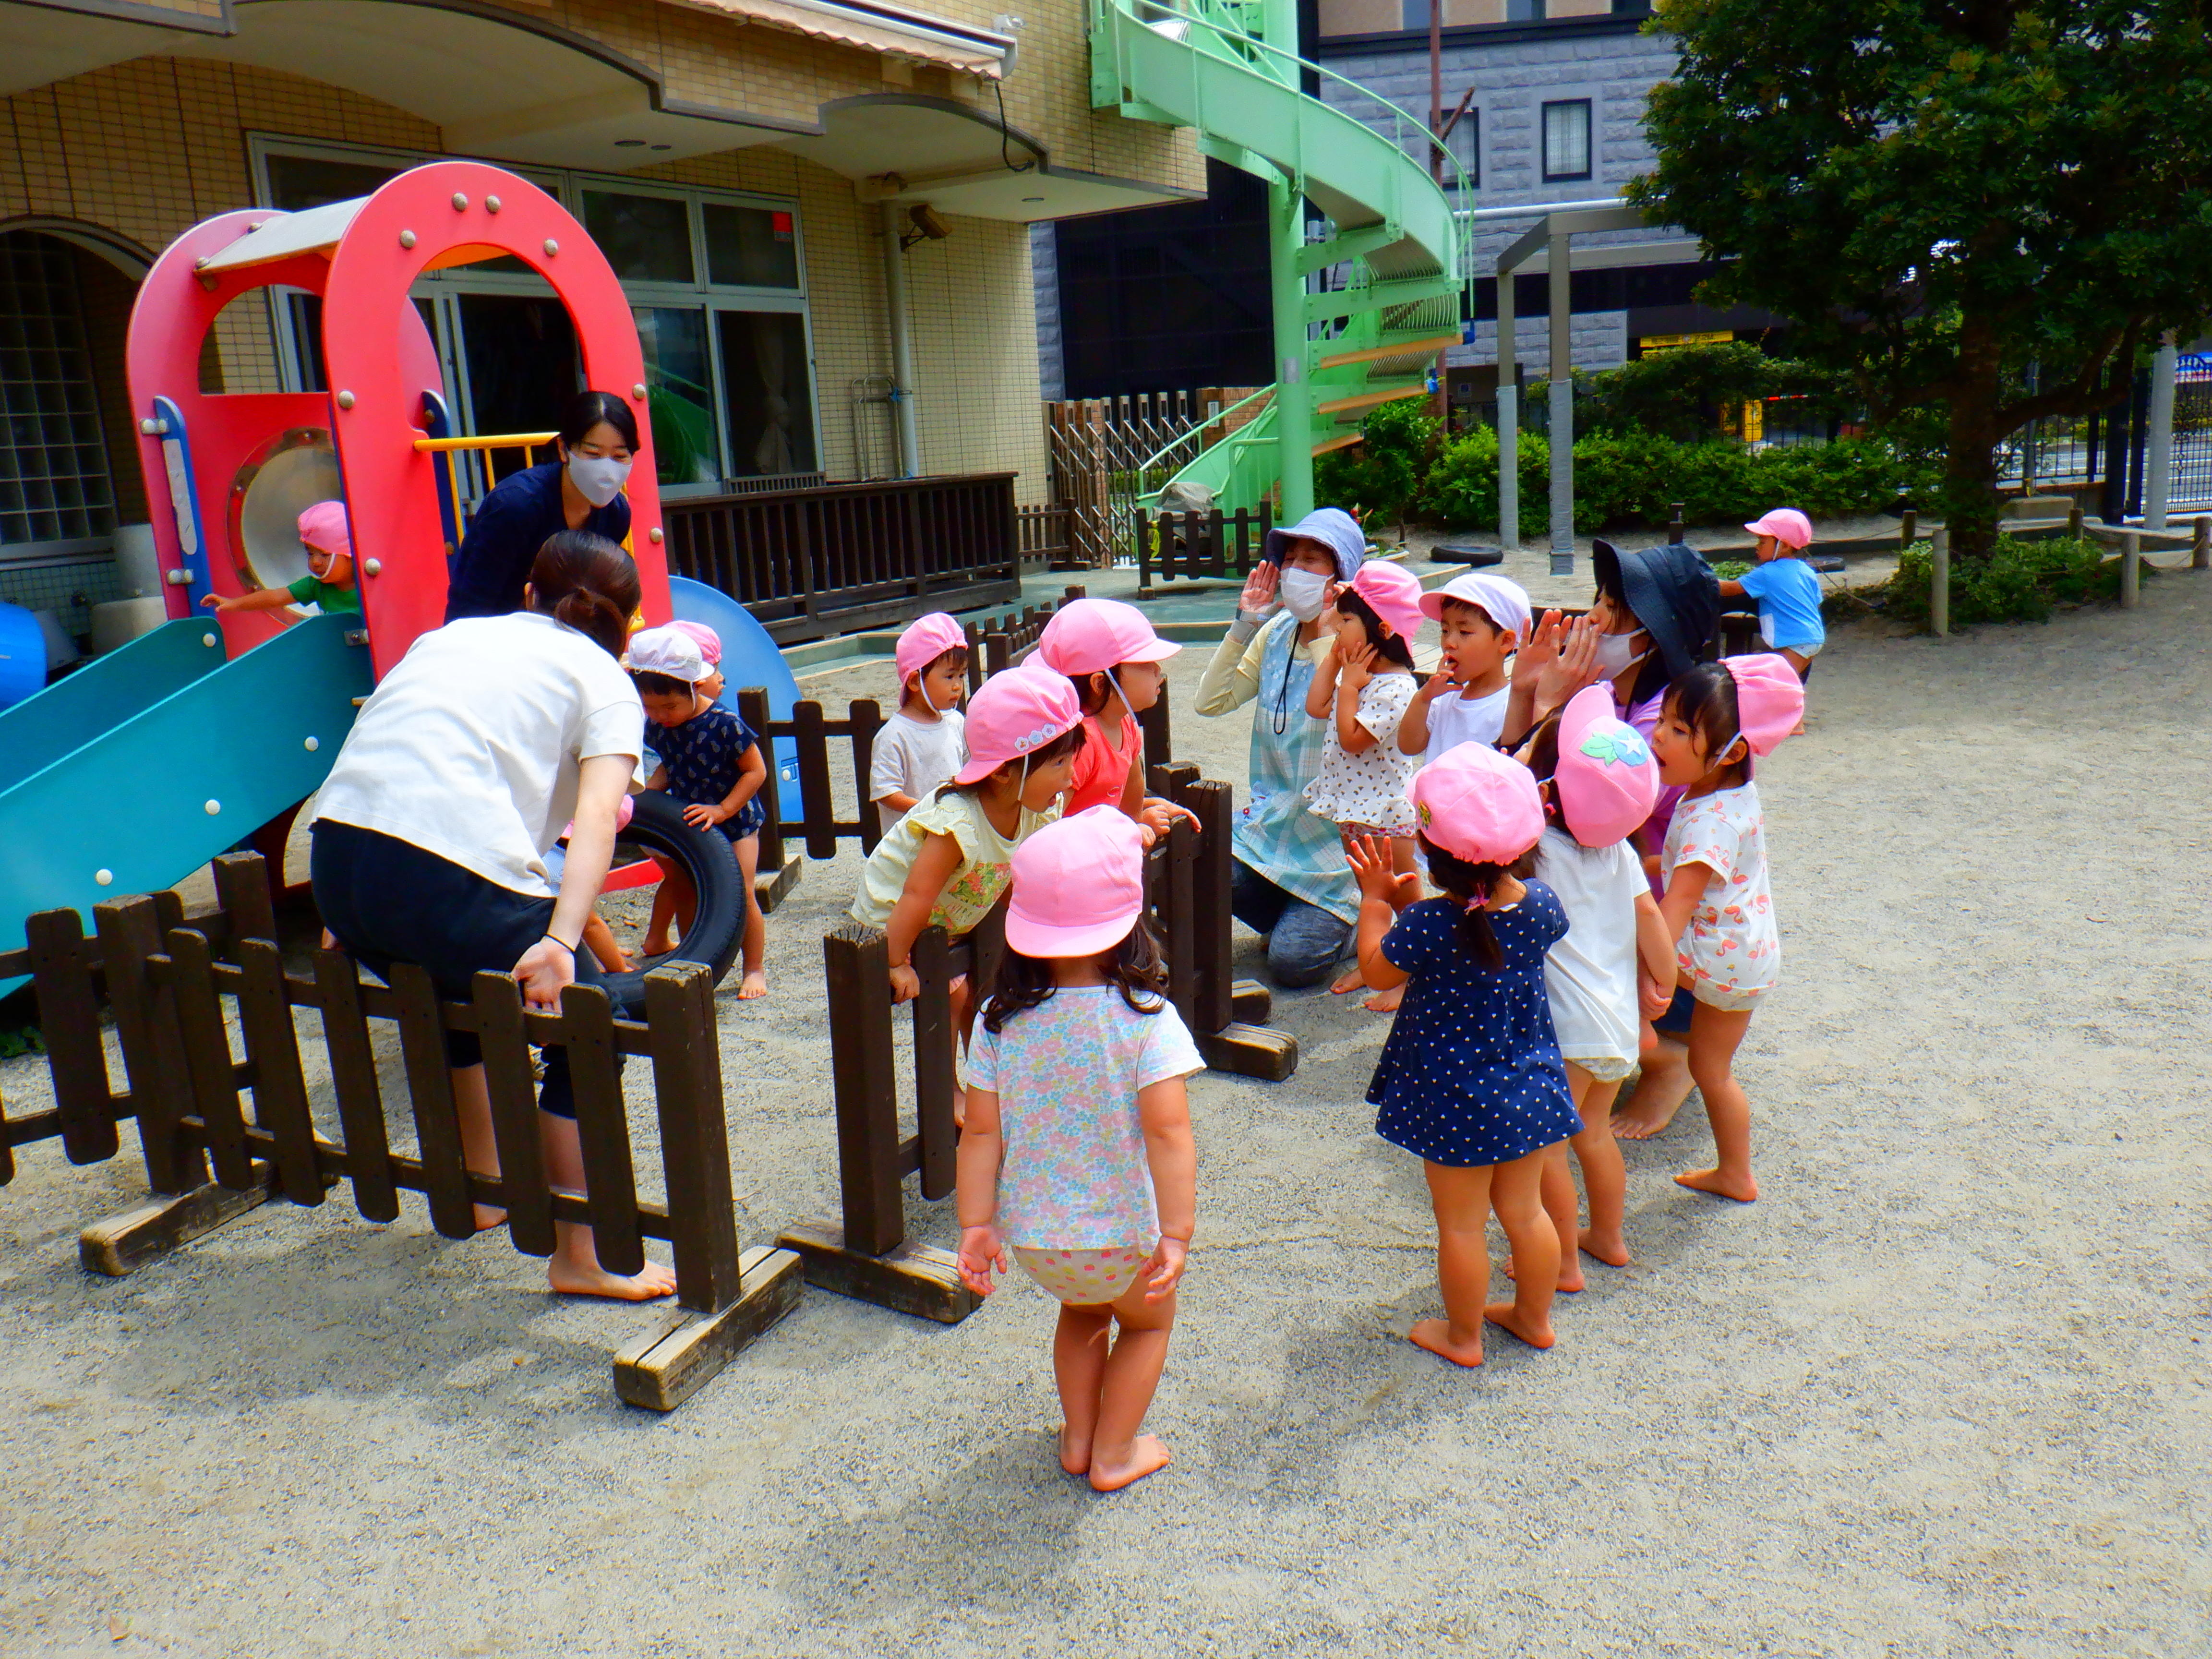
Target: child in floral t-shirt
1716	906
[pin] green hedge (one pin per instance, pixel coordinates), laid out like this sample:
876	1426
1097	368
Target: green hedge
1461	490
2020	581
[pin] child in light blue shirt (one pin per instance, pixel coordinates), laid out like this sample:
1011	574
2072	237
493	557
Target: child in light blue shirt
1788	592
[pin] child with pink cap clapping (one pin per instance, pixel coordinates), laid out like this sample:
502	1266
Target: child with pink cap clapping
1362	689
1598	783
1109	650
923	743
1471	1080
1715	903
945	864
1077	1150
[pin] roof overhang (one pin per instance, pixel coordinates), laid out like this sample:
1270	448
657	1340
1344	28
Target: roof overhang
890	31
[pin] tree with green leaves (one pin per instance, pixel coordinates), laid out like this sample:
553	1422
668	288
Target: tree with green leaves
1944	195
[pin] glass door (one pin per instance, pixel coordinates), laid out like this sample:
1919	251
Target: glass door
767	392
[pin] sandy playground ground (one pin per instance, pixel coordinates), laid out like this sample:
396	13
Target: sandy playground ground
1941	1393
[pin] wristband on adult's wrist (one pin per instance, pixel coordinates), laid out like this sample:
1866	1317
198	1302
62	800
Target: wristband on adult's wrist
563	943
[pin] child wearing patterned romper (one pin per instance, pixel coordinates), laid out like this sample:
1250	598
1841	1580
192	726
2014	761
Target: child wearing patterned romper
1717	905
710	761
1077	1150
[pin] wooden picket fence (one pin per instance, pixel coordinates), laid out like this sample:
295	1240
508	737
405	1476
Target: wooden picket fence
1199	546
180	985
869	1255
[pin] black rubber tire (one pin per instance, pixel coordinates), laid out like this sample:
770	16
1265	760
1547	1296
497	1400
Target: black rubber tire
705	855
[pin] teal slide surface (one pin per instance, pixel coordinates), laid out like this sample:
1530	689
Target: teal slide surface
160	756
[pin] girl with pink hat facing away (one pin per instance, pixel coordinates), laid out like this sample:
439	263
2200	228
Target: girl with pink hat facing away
1788	592
1471	1081
1716	904
1077	1146
1598	781
923	742
1109	650
945	864
1362	689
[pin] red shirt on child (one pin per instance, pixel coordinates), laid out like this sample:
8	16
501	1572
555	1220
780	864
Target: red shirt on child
1102	765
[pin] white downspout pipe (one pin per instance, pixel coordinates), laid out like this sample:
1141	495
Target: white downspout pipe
1562	372
1508	421
895	300
2158	464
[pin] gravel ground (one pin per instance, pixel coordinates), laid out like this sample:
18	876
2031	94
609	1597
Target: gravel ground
1940	1393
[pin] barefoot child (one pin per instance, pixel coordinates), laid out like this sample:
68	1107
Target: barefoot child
1077	1152
328	583
1109	650
1363	689
945	864
921	744
1484	619
1470	1080
1788	592
1717	909
710	760
1598	783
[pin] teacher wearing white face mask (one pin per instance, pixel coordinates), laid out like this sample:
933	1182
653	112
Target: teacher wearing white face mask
581	490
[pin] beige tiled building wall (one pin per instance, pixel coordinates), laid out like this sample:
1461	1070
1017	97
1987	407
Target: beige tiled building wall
149	148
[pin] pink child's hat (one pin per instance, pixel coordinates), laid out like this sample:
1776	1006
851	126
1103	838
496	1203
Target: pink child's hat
1478	805
1091	637
708	641
1395	594
926	640
1787	526
1607	780
1018	710
1078	885
323	525
1770	699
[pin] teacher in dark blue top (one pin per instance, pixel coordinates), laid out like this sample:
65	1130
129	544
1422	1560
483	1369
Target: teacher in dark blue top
581	490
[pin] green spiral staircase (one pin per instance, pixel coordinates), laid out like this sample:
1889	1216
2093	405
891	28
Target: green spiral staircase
1392	244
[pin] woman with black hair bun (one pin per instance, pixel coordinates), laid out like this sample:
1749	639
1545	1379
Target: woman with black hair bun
580	490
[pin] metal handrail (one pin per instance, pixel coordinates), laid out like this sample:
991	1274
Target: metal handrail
1158	456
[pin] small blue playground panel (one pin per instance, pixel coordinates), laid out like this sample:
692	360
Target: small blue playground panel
750	658
22	659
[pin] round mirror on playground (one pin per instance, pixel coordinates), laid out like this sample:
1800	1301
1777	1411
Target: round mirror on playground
279	480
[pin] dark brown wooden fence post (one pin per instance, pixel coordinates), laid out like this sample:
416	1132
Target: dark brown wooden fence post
752	708
820	814
502	1032
68	1020
153	1047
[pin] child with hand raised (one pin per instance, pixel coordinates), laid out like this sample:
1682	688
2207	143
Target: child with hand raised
945	863
329	584
1363	689
1485	619
710	761
1471	1080
924	742
1598	781
1077	1150
1716	903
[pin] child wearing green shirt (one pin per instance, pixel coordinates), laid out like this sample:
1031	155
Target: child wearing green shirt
328	581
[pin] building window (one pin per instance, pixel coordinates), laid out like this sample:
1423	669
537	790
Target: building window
1524	11
54	483
1465	143
1567	140
715	281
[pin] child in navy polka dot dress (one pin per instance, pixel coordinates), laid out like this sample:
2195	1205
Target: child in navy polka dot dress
1471	1080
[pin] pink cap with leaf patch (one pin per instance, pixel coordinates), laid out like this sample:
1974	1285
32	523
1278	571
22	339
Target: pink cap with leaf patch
1607	780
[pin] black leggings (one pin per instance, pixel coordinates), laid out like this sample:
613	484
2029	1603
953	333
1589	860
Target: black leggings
389	901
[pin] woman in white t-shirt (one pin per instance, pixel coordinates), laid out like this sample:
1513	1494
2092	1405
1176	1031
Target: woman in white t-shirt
432	831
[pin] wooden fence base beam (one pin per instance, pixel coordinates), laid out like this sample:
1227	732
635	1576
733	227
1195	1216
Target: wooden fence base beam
770	887
1251	1001
1254	1051
662	1371
915	1278
122	1243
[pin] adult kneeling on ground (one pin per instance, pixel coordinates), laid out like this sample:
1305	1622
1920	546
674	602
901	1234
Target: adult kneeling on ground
431	834
1291	881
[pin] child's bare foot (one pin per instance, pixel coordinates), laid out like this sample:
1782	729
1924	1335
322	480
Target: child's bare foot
1608	1248
490	1216
1147	1454
1074	1456
1641	1123
1385	1002
659	945
1435	1335
569	1280
755	984
1353	980
1507	1316
1570	1274
1742	1189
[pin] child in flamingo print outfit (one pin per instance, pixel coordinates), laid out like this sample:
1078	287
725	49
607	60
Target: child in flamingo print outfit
1716	905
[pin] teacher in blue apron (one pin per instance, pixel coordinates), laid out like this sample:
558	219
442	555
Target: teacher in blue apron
580	490
1289	880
